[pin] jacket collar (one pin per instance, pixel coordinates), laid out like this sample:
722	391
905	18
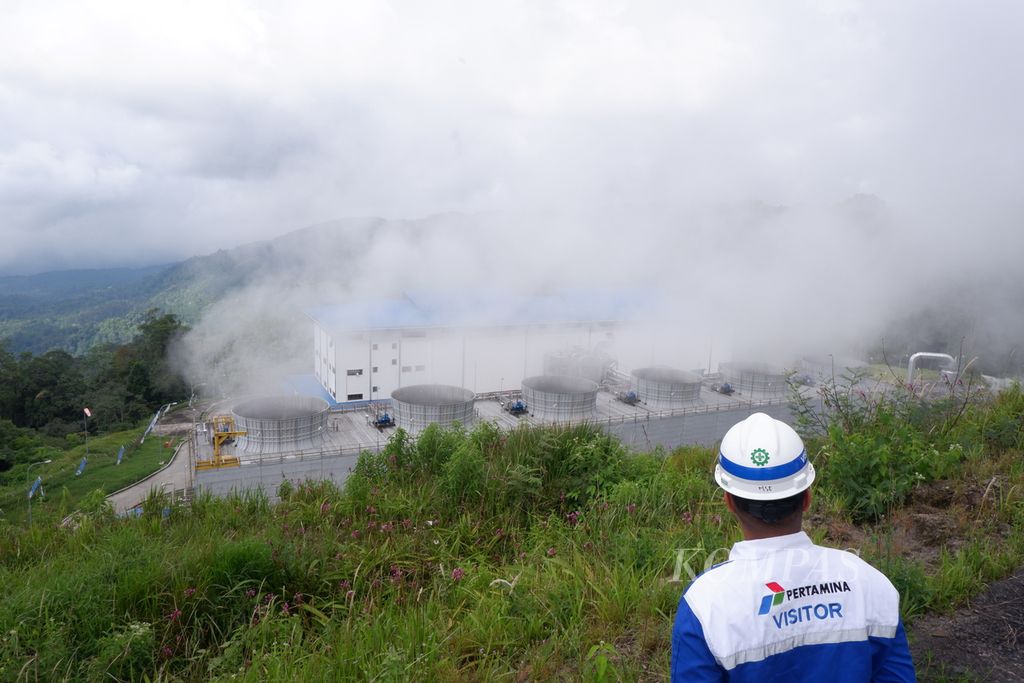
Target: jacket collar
752	550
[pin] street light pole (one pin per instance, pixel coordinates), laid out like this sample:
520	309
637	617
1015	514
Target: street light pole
27	479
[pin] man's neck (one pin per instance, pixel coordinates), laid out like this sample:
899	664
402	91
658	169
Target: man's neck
757	532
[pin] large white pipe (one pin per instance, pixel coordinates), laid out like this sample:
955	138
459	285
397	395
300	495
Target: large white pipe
911	366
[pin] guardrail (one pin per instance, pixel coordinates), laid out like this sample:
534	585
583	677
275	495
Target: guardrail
301	456
703	409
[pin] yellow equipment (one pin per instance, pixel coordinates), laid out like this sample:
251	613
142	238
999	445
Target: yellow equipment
223	431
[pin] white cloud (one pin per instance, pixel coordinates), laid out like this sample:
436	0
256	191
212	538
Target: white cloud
168	129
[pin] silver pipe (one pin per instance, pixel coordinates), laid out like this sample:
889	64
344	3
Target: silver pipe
912	364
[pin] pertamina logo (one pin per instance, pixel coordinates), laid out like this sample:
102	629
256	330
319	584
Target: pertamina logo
773	599
802	613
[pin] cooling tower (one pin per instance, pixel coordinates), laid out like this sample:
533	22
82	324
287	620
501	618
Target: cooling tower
560	398
417	406
280	424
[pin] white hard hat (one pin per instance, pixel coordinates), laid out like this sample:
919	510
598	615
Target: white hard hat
763	459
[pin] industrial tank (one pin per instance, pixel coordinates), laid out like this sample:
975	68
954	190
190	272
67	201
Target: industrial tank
560	398
419	405
761	378
664	387
280	424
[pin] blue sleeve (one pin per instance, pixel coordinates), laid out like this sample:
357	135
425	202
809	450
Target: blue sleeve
890	659
691	658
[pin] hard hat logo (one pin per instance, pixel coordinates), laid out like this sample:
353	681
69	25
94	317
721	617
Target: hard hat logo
759	457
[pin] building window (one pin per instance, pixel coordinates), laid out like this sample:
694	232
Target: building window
375	368
394	361
374	347
376	389
406	368
420	368
355	397
354	373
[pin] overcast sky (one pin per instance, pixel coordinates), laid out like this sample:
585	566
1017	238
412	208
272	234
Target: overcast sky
139	132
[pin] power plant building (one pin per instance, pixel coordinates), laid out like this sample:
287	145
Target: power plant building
364	351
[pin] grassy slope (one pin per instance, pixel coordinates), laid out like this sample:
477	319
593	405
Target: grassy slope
532	555
101	472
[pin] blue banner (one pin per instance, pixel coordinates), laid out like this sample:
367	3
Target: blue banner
152	423
35	487
81	467
120	454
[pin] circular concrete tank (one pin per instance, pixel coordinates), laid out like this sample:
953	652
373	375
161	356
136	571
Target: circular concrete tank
754	377
417	406
559	397
663	387
280	424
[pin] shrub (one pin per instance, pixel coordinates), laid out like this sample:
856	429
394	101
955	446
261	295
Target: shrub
125	655
464	474
249	561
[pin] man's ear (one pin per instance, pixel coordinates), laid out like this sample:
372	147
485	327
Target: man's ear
807	500
730	503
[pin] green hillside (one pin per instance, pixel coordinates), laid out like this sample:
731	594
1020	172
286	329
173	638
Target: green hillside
76	310
537	554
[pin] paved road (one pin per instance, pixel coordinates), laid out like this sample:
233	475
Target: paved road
174	476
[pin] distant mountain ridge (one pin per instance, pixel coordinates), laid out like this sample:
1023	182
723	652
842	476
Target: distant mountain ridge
75	310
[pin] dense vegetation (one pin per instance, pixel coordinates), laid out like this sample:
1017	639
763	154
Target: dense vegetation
42	397
531	555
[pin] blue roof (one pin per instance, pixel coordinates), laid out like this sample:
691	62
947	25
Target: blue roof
457	309
307	385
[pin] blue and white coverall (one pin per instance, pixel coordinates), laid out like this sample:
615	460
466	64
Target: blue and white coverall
784	609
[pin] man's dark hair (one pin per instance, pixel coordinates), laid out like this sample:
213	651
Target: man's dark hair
771	512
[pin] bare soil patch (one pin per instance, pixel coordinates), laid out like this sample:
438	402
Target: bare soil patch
981	641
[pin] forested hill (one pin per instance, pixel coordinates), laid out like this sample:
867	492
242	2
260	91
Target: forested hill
77	309
73	309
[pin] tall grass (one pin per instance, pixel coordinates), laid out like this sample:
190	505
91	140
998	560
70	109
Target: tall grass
531	554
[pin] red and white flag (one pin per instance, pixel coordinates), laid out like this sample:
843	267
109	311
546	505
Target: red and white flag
88	413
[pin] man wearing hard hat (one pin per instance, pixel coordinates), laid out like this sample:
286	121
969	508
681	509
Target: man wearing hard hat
782	608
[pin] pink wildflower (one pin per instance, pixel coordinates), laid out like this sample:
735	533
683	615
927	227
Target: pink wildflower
551	551
189	592
457	574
